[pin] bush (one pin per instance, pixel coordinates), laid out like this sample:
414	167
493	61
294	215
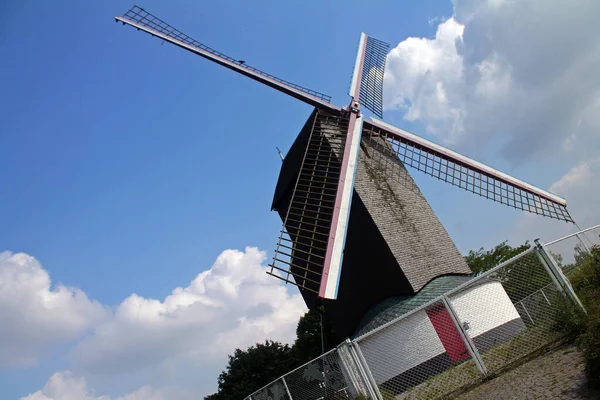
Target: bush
584	276
589	343
570	320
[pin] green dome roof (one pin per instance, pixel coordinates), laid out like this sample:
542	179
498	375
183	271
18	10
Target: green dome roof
394	307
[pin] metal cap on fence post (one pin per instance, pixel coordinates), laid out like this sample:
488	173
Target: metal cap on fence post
559	279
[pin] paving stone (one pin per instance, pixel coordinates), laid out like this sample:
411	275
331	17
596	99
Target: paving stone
555	375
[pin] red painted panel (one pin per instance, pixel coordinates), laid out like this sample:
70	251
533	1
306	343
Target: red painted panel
447	332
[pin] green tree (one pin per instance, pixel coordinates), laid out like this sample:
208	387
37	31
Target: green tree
308	336
482	260
249	370
520	278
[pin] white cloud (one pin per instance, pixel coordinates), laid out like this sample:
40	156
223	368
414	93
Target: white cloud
65	386
35	315
577	178
144	340
422	75
515	83
521	72
234	304
579	185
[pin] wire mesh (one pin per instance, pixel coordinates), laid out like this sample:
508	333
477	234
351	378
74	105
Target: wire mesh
456	173
352	372
578	256
371	87
326	377
422	355
590	238
491	323
323	378
510	313
571	251
300	253
141	17
274	391
567	252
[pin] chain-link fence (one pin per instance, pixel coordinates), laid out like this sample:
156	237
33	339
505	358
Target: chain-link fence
511	311
481	327
573	256
420	355
334	375
571	251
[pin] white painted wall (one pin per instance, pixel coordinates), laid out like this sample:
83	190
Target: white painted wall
484	307
401	346
413	340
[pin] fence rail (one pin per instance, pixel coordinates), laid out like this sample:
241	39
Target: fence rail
494	320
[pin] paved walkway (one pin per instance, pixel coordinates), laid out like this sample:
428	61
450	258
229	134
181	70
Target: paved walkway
555	375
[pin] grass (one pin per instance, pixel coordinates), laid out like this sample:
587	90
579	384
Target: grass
521	348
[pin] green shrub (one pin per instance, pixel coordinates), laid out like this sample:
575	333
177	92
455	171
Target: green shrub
589	342
584	276
570	320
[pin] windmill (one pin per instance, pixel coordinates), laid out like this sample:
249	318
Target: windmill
356	228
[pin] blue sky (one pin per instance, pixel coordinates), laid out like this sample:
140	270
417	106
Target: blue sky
128	166
138	159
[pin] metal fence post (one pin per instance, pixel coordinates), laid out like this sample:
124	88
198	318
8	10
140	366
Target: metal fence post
556	273
360	383
465	336
365	371
548	269
286	388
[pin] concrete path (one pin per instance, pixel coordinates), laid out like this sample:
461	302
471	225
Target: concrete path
555	375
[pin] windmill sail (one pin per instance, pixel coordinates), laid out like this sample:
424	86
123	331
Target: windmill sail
143	20
329	220
339	183
369	89
461	171
303	244
367	85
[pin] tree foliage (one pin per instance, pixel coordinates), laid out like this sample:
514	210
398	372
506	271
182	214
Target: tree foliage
520	278
483	260
308	336
584	275
251	369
